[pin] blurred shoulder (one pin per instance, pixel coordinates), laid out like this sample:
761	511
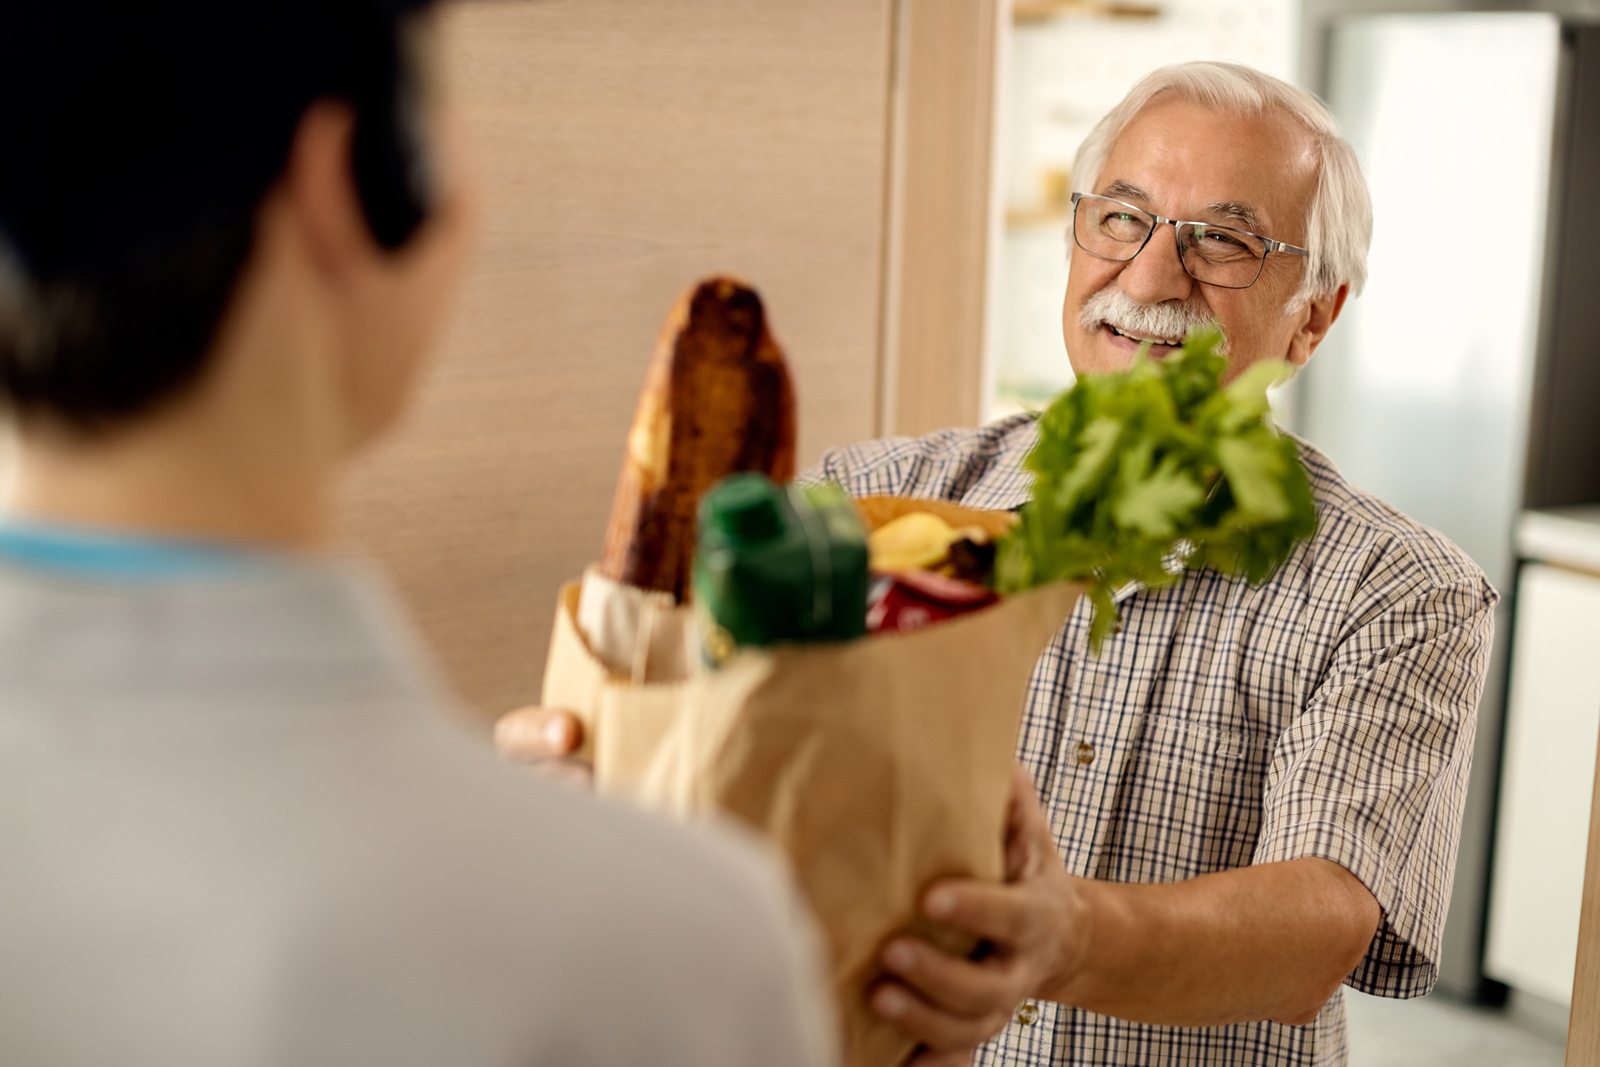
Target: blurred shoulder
694	929
979	467
608	862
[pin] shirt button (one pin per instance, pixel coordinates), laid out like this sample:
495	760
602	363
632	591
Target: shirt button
1085	752
1028	1014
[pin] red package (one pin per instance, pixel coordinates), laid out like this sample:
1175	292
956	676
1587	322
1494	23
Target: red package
909	600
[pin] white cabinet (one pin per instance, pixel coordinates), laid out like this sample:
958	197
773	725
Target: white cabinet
1552	725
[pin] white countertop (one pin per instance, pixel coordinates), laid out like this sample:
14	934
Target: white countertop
1568	537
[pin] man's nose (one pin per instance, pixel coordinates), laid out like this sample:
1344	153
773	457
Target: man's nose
1156	273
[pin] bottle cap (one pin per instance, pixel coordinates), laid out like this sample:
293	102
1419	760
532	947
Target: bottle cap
744	507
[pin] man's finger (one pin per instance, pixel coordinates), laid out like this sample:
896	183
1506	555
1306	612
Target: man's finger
1018	850
959	986
940	1031
1030	843
538	734
993	912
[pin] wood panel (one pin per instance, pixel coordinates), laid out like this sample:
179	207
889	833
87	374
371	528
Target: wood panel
627	147
1583	1026
943	215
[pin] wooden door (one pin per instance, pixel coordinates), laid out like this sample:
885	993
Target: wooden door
627	147
831	152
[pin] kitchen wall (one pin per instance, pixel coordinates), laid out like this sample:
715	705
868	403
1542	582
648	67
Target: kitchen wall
834	153
625	152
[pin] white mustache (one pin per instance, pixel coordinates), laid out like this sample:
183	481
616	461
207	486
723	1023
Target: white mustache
1166	321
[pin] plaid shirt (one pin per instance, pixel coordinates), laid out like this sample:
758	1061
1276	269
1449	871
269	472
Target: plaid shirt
1327	713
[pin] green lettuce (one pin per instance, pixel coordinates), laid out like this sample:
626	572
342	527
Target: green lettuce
1141	475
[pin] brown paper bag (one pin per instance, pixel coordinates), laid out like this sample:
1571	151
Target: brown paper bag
877	765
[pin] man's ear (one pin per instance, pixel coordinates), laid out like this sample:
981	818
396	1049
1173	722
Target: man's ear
1319	318
321	190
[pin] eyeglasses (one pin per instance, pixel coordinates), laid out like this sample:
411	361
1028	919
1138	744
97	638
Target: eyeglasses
1216	255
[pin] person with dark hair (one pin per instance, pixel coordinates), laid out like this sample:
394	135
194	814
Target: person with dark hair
236	826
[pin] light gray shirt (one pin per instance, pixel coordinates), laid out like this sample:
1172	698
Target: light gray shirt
237	830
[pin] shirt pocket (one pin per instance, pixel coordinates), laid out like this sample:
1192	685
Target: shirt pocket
1193	797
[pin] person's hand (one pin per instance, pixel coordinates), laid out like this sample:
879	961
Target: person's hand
546	738
1034	926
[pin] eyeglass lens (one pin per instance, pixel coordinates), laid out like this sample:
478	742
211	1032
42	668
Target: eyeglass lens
1217	255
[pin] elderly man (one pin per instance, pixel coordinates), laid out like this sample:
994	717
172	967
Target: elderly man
1251	795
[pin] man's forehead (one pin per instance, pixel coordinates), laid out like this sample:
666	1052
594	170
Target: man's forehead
1185	160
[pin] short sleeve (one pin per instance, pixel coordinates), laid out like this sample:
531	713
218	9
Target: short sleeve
980	468
1372	775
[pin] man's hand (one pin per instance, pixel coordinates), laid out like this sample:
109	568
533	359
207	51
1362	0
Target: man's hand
1269	941
1033	925
546	738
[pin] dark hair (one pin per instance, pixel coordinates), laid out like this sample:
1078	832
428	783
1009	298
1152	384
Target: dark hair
124	236
96	350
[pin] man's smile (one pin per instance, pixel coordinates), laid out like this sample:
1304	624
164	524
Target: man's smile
1159	346
1121	324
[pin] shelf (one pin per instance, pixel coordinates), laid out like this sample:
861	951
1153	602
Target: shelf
1041	10
1566	537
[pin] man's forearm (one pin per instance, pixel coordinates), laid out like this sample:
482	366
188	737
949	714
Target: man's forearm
1266	942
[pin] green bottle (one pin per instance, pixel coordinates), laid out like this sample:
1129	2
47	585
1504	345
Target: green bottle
775	565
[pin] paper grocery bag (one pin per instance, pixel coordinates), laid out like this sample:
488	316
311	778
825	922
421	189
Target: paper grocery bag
877	765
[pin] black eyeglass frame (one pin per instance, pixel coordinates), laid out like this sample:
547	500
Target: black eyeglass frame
1271	245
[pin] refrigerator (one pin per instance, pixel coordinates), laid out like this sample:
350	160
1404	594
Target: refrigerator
1463	387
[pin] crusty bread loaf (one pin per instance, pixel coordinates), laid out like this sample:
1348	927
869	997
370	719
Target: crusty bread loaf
717	400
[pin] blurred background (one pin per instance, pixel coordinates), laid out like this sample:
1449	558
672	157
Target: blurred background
893	176
1463	388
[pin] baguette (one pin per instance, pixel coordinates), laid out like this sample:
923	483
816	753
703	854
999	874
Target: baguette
717	400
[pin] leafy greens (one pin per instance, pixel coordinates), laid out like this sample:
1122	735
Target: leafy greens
1141	475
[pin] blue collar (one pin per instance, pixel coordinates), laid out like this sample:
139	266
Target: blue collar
85	552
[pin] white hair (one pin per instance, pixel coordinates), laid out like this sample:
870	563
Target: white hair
1339	230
